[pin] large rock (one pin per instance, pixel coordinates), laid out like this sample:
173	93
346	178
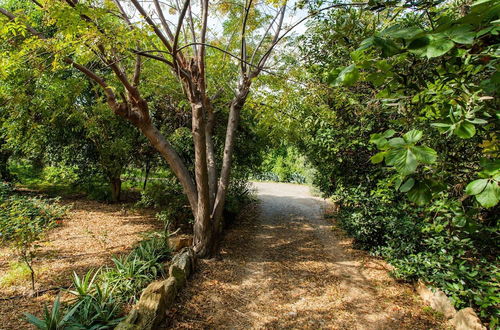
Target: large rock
182	266
437	299
180	241
151	309
466	319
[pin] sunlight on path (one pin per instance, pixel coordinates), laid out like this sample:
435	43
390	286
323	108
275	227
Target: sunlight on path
289	269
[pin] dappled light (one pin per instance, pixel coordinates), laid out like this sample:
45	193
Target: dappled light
249	164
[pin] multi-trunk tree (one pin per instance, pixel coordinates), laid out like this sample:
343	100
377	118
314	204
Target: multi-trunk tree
122	35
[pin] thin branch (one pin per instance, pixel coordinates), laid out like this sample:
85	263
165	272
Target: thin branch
264	36
243	41
28	27
192	29
163	21
146	53
316	12
276	38
179	26
124	14
152	24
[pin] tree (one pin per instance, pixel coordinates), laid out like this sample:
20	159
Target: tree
106	31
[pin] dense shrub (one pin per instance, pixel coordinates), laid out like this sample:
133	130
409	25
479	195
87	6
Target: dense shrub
431	243
239	194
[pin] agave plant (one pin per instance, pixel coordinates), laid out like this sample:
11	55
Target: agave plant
55	319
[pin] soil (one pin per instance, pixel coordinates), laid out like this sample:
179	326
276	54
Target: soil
283	266
89	236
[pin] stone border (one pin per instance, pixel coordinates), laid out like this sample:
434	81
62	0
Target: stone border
159	296
464	319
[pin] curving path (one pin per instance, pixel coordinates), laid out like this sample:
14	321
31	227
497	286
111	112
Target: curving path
284	267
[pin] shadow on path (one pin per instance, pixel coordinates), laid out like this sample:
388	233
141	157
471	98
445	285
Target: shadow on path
284	268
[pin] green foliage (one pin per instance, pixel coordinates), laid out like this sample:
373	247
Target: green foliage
397	111
17	273
53	319
283	164
440	244
23	221
101	295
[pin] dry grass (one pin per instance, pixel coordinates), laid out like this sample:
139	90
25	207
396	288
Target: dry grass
87	239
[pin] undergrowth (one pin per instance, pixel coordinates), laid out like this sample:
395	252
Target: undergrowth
99	296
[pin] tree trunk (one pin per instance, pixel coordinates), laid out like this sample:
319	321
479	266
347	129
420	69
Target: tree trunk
232	125
116	189
203	239
4	170
174	161
146	174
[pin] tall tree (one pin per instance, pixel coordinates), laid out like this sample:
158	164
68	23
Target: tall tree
111	32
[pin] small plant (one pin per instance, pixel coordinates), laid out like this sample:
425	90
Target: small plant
17	272
101	294
23	220
55	319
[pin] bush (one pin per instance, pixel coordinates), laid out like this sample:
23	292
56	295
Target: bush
239	194
166	196
23	220
440	244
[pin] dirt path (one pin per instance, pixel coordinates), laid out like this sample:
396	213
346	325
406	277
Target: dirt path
284	267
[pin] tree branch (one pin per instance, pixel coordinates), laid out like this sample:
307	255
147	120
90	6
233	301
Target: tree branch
179	26
152	24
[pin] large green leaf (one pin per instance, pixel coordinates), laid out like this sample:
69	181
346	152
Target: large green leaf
424	154
388	47
465	130
397	142
419	43
397	31
402	159
438	46
377	158
476	186
413	136
348	77
420	194
462	34
490	195
405	187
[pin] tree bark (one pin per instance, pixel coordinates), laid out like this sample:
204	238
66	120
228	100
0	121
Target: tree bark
203	227
232	125
146	174
211	162
174	161
116	188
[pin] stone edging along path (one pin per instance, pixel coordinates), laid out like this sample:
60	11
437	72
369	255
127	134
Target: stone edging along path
464	319
159	296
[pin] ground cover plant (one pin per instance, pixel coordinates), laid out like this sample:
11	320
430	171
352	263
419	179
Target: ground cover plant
100	295
400	123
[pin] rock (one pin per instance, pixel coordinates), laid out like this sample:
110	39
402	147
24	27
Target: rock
170	291
437	300
151	309
182	266
159	296
466	319
178	242
441	303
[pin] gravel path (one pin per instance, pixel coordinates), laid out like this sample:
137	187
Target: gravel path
284	267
